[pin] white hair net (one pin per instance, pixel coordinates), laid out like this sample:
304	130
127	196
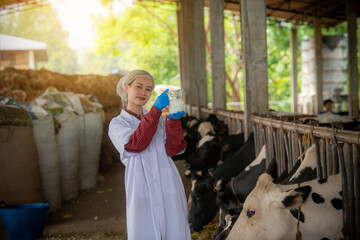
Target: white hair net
129	78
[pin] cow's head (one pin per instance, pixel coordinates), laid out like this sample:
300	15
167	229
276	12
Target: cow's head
203	206
206	155
231	215
225	197
265	214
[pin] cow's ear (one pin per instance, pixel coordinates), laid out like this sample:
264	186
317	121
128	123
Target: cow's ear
296	197
265	182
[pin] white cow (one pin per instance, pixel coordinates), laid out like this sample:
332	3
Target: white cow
270	211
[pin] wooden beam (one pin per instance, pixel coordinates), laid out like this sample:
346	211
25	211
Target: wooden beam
353	64
181	57
188	59
318	67
200	55
217	54
293	53
253	26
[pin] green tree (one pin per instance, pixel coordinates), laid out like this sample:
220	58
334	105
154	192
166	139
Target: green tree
41	24
145	33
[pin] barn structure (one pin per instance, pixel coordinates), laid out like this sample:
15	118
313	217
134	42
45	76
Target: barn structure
337	150
20	52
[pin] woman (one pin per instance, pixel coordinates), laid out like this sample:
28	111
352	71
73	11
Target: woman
155	198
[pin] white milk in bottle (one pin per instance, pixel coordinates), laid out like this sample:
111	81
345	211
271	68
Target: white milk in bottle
176	102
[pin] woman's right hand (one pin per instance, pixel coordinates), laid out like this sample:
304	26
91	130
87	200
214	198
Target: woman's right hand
162	100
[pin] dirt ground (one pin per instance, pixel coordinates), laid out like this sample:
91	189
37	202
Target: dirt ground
99	214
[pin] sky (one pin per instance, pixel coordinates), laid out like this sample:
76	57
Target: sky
75	18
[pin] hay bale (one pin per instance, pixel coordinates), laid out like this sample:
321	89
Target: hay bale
14	116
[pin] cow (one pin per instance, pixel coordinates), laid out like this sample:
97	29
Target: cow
221	129
231	194
212	150
191	136
203	197
272	211
231	215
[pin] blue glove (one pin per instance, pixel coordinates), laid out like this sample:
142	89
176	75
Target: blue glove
177	115
162	100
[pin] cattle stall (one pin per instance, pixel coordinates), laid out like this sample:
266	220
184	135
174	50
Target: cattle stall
337	151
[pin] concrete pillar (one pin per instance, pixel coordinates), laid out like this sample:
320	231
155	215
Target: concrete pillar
253	26
217	54
353	64
293	53
318	66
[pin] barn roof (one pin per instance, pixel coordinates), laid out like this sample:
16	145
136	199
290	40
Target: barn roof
11	43
331	12
8	42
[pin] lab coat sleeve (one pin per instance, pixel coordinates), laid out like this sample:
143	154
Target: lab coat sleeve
175	144
119	134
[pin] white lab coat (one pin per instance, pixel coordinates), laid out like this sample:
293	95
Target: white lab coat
155	199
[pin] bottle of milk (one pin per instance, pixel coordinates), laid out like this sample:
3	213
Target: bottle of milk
176	101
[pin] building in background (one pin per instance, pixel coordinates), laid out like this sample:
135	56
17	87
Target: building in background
334	73
21	53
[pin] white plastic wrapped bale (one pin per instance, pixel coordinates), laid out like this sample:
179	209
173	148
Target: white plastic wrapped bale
68	146
67	139
49	161
90	136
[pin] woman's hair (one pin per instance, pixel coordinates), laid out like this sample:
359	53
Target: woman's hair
129	79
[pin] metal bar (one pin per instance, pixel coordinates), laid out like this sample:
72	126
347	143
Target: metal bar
295	151
276	147
352	137
356	159
298	145
255	138
317	154
344	191
335	157
282	151
286	152
266	146
329	158
224	113
323	157
271	143
350	179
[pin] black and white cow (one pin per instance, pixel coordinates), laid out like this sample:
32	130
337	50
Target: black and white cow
203	196
231	194
231	215
271	211
213	150
191	136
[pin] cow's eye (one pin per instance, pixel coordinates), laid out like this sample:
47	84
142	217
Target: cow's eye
250	213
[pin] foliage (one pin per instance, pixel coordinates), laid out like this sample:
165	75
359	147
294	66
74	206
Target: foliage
146	34
45	27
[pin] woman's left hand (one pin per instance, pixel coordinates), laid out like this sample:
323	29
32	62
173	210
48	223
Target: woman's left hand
177	115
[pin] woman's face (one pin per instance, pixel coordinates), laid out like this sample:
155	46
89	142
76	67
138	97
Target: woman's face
139	91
